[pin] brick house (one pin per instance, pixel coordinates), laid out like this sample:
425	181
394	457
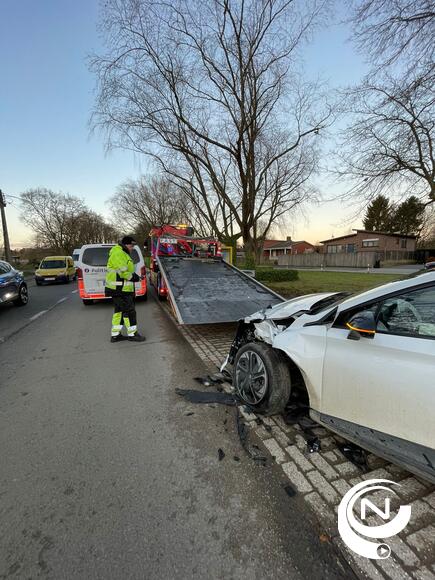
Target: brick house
274	248
368	241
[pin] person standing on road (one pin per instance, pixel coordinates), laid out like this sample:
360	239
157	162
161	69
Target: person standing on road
120	279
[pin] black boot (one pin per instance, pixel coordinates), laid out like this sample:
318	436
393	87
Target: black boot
117	338
137	338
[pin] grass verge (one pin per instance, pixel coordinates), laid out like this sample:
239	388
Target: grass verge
310	282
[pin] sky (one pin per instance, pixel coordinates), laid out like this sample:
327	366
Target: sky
47	94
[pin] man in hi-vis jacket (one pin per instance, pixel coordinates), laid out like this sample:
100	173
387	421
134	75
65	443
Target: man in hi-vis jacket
120	279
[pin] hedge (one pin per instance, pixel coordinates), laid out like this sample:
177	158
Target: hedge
270	275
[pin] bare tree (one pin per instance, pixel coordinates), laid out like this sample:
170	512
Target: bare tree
51	216
210	90
148	201
62	222
389	146
392	31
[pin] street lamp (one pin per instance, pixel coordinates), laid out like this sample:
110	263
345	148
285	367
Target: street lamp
5	227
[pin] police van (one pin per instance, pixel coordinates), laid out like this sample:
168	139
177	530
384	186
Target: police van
92	268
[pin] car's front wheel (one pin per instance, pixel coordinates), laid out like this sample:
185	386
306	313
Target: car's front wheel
261	377
23	296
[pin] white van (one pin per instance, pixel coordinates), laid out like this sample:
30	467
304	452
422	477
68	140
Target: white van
75	257
92	268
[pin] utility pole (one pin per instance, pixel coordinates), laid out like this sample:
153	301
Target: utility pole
5	227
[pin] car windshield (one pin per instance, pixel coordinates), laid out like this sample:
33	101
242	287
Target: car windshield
100	256
50	264
328	302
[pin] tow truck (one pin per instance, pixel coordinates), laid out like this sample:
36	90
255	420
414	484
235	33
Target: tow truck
201	287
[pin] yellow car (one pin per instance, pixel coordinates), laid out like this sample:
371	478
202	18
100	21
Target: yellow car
55	269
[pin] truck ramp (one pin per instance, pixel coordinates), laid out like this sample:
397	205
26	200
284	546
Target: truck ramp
212	291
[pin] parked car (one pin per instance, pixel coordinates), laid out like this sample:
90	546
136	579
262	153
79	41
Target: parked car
55	269
92	268
430	264
13	287
364	364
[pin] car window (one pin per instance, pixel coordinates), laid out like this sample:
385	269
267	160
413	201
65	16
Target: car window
96	256
50	264
135	256
100	256
4	268
411	313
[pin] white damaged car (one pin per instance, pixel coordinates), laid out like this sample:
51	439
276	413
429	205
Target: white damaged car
365	365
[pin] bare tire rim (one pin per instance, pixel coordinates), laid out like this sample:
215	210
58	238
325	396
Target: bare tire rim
251	378
23	295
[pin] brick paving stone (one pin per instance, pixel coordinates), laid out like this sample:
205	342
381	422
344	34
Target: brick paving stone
296	477
246	413
269	421
323	487
283	425
333	456
403	552
430	499
423	542
323	466
424	574
380	473
348	469
420	516
410	489
397	472
326	518
300	442
393	569
260	430
364	567
281	437
328	443
375	462
299	458
341	486
275	450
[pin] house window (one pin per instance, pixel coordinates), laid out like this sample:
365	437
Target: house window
336	249
403	243
374	243
350	248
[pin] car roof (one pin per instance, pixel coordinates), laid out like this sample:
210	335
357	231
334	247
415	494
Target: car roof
389	288
55	257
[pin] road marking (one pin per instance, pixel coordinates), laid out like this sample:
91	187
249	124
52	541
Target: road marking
61	300
37	315
74	292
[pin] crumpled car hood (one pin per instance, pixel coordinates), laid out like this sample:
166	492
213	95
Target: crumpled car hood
290	307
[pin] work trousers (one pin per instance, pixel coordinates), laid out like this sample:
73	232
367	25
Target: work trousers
125	313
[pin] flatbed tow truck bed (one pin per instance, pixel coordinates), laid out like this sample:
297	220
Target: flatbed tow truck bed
207	291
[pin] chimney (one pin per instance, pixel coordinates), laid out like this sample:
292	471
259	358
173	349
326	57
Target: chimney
289	239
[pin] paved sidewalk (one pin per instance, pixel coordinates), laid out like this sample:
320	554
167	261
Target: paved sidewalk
324	477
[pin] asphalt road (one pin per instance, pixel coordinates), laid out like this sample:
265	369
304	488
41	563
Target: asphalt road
107	473
41	299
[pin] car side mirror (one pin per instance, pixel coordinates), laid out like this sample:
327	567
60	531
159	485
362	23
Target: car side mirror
361	324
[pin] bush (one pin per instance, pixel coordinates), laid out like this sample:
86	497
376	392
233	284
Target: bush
270	275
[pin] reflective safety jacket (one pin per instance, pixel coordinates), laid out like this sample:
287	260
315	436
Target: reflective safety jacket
120	270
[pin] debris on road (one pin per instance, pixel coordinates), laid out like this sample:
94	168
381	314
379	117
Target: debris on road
221	454
253	451
355	454
205	397
290	490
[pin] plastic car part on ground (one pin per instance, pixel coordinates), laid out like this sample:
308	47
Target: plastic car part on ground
205	397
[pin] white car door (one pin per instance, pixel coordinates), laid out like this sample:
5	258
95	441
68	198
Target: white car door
385	385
